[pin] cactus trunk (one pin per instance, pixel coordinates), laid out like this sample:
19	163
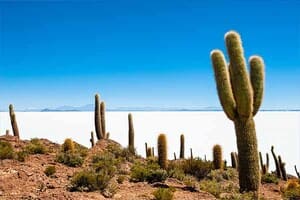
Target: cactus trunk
130	134
13	121
181	146
217	157
98	126
249	175
241	95
92	140
162	151
102	113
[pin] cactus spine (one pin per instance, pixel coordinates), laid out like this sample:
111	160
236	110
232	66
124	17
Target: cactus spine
13	121
162	151
98	126
102	117
241	97
92	140
181	146
130	134
217	157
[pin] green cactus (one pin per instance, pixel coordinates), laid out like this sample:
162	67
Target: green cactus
102	114
234	162
130	134
68	145
282	168
217	157
241	97
152	151
277	165
146	149
149	152
181	146
92	140
98	126
162	151
13	121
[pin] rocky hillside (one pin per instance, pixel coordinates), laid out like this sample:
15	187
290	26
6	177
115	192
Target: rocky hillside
41	169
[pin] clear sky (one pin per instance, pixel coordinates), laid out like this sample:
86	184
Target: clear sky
140	53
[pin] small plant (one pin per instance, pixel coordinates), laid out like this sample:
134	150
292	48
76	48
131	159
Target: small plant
50	170
6	150
84	181
69	159
68	145
269	178
164	193
35	147
21	155
211	186
121	179
196	167
149	172
291	190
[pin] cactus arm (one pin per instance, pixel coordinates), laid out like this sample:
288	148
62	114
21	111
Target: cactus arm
102	113
223	84
257	77
98	126
240	81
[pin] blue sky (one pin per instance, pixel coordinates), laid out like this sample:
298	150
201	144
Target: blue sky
140	53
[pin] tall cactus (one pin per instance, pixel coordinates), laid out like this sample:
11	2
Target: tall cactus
241	96
162	151
130	134
181	146
217	157
98	126
13	121
102	114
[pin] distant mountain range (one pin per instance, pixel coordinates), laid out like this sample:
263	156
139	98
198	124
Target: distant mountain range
90	107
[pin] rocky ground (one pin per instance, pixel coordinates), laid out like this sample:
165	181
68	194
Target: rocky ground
27	180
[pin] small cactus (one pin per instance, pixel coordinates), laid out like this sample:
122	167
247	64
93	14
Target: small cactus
298	174
13	121
217	157
282	168
68	145
264	167
92	140
162	151
102	114
191	151
146	149
152	151
7	132
98	126
149	152
181	146
175	156
278	171
234	160
130	134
